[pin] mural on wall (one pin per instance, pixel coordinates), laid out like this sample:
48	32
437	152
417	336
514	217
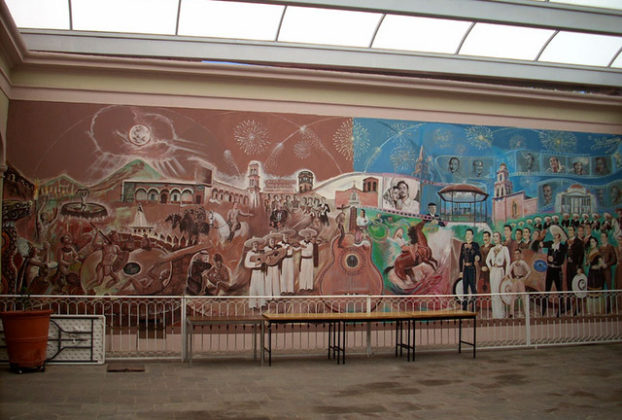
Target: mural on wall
123	200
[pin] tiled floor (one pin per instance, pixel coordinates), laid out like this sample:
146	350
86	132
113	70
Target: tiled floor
561	382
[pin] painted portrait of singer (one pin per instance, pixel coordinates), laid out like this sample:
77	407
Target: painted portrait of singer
401	194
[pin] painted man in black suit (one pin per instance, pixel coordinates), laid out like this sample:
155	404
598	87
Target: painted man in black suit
469	255
576	252
556	255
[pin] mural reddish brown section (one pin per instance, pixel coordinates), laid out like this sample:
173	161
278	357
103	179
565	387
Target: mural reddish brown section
133	200
88	142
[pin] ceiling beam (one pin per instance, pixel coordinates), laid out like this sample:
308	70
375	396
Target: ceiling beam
282	54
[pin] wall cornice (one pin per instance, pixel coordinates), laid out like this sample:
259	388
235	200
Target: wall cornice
82	78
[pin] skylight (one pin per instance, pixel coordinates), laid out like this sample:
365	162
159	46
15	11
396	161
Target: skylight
421	34
43	14
329	27
224	19
504	41
136	16
582	49
606	4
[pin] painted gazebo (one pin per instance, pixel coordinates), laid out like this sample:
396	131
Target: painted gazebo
463	203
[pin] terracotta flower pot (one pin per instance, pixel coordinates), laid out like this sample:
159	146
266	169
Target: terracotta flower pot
26	335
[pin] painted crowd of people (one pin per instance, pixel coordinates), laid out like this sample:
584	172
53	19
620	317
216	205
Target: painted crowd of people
576	248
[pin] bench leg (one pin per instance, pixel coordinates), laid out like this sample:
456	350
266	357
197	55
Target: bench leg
330	338
343	349
414	339
474	336
460	336
189	334
263	341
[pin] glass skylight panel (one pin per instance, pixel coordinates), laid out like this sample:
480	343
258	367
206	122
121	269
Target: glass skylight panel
420	34
328	26
607	4
223	19
504	41
617	63
40	14
582	49
136	16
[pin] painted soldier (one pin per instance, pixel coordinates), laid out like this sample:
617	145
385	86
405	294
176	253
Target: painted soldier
484	250
469	255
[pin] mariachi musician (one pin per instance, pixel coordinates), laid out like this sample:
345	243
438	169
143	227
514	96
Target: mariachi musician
252	261
288	270
273	255
308	258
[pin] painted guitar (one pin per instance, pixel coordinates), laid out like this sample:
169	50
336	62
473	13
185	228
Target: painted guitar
271	257
151	269
351	270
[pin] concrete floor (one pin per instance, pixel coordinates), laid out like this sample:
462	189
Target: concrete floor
561	382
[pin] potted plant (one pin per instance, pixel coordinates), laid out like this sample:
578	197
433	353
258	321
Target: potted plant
26	335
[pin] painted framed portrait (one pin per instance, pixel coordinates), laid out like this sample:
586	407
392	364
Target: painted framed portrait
554	164
601	166
615	194
579	166
547	191
401	194
527	161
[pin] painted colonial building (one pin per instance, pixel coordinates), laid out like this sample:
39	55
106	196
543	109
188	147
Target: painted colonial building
576	199
164	192
508	205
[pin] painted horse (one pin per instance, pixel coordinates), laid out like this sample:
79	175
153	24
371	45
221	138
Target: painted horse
413	254
217	222
192	223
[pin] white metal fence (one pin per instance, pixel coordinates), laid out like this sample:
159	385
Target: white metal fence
154	326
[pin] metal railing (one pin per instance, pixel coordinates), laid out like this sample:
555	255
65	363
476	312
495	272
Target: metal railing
154	326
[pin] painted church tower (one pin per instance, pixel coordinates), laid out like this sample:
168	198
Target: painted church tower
503	185
253	184
422	171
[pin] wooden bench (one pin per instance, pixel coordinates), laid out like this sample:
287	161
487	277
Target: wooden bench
337	328
255	321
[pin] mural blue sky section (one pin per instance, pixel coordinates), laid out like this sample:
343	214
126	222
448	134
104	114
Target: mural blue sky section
538	161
